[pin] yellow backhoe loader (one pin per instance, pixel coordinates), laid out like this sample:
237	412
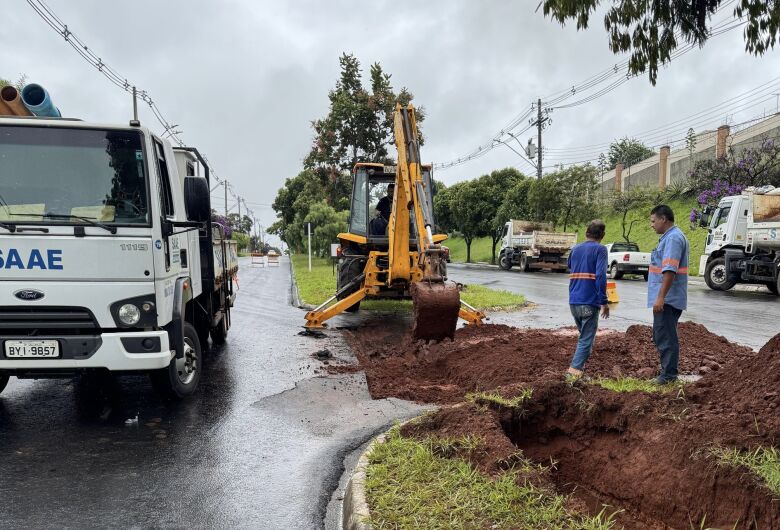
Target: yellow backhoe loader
394	254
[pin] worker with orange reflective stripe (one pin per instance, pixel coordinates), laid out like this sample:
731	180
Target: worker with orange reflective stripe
667	289
587	292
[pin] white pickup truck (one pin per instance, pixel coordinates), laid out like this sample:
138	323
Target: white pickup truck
625	258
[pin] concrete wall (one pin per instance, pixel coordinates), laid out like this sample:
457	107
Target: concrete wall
680	161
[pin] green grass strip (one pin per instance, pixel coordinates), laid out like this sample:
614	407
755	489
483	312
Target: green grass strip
488	398
633	384
320	284
763	462
410	487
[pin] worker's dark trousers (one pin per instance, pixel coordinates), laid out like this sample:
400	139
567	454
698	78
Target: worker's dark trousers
666	341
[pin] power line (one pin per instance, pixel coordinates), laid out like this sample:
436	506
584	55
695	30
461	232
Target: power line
169	130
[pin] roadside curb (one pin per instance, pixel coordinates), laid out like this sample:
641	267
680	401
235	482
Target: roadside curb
294	295
355	513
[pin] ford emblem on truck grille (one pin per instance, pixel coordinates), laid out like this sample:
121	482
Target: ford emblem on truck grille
29	295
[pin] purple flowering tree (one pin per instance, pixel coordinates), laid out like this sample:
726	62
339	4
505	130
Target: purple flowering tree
755	166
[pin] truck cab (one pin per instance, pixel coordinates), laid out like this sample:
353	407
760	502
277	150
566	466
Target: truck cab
105	253
742	244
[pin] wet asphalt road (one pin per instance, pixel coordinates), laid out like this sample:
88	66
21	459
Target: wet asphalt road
747	317
262	445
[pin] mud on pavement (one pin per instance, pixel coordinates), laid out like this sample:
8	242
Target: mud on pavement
648	455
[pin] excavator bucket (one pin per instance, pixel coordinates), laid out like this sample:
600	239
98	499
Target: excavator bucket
436	306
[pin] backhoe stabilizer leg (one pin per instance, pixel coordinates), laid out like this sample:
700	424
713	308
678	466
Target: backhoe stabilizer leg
471	315
316	318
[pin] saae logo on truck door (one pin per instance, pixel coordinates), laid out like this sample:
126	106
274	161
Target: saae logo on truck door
36	259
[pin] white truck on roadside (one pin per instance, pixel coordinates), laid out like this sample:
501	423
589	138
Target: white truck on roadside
743	241
109	259
625	258
534	246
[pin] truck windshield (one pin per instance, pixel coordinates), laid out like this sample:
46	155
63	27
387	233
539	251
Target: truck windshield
721	215
54	175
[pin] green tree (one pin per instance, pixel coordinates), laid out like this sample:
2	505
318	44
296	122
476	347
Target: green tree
627	151
545	199
242	241
326	223
292	205
244	226
19	83
577	186
357	128
648	30
493	187
514	204
628	202
457	210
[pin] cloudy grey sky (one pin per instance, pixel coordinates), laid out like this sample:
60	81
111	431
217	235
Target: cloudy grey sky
244	78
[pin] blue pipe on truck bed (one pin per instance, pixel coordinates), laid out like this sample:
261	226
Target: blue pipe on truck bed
37	100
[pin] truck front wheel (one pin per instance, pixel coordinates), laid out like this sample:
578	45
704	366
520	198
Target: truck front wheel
181	377
773	287
716	277
504	261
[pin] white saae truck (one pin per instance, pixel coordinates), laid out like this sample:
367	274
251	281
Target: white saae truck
743	241
534	246
108	256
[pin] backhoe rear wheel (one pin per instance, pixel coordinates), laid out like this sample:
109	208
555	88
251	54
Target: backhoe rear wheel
349	269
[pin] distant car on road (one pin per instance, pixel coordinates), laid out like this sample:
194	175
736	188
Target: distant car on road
625	258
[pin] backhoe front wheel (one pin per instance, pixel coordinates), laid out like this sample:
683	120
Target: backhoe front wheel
180	379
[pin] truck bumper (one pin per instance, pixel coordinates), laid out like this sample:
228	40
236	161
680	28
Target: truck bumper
632	269
117	352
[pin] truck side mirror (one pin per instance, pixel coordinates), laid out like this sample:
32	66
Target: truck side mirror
704	219
197	200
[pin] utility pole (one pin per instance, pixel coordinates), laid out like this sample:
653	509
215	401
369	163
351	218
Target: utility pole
238	225
539	125
309	224
226	190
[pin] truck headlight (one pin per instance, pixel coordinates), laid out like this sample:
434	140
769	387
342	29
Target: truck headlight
129	314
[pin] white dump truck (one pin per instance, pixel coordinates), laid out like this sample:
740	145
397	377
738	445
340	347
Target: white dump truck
743	241
109	259
534	246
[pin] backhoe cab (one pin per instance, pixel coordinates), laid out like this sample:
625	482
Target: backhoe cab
389	250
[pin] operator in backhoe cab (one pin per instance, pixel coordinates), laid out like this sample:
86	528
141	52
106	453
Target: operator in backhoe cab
378	225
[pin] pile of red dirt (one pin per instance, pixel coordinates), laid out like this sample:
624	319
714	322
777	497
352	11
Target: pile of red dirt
646	454
486	357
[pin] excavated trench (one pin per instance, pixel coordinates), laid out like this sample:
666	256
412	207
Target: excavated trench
644	455
637	455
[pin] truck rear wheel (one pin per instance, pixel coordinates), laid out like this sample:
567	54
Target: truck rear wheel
773	287
504	262
219	333
4	381
180	379
524	265
715	275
